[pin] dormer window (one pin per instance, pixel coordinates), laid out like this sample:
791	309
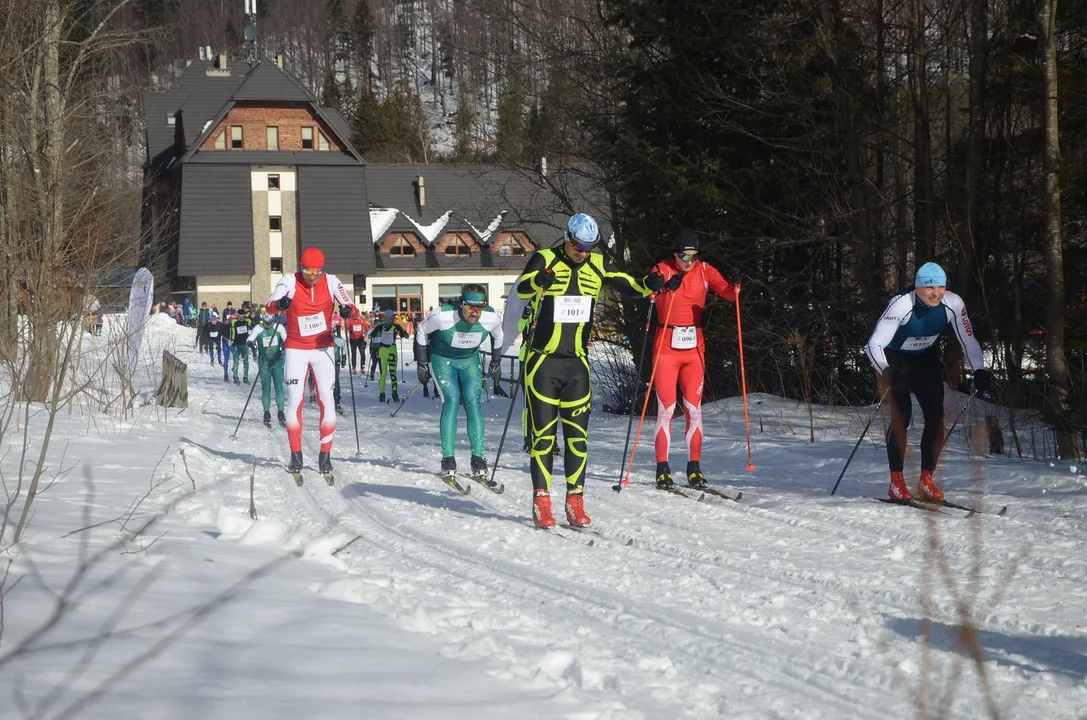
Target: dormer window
307	138
322	141
235	137
402	247
456	246
220	141
511	248
171	118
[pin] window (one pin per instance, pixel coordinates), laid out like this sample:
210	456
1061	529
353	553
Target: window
402	247
508	289
322	141
449	294
235	137
275	223
273	138
277	265
511	248
273	181
171	118
220	141
307	138
457	246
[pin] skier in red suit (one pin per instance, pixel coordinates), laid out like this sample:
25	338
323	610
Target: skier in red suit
679	350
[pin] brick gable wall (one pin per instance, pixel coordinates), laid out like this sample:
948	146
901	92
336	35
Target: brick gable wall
289	118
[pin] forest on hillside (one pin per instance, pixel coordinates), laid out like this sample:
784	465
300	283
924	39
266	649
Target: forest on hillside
824	148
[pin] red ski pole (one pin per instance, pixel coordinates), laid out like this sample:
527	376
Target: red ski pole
743	376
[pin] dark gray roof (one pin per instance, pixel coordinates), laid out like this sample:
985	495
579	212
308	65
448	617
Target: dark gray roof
432	261
266	157
204	104
265	81
334	216
536	205
217	228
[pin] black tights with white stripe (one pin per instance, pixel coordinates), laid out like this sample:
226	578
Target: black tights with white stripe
921	375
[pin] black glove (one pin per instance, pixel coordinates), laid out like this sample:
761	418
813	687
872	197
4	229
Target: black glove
735	278
545	279
495	370
654	281
983	381
283	303
674	282
345	311
422	369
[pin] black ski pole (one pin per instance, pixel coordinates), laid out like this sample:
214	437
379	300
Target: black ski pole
260	366
354	411
618	487
394	412
860	440
962	412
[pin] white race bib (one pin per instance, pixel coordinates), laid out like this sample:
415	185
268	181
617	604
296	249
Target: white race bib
918	343
572	309
466	340
684	338
312	324
241	329
388	337
356	328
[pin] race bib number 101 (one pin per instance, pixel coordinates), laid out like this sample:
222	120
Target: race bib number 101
573	309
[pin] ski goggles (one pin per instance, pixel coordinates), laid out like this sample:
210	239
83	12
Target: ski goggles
312	272
473	299
687	257
581	247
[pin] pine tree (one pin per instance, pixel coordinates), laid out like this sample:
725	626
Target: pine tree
331	97
464	127
511	125
367	123
362	40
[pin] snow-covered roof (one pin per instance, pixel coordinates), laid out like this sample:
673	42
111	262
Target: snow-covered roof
381	219
432	231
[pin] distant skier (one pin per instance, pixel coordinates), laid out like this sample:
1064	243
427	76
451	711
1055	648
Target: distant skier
386	335
240	325
213	334
904	352
447	345
307	297
356	334
269	343
679	351
563	285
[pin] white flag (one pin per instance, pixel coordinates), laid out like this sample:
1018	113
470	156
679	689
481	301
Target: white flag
139	308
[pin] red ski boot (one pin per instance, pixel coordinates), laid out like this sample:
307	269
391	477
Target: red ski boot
575	511
928	488
541	510
898	489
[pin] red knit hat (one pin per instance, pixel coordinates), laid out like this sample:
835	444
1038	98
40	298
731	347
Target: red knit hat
312	259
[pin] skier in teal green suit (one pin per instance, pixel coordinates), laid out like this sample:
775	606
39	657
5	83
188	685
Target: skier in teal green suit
447	345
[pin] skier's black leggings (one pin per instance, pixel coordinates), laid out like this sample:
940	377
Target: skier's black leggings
358	353
921	375
558	388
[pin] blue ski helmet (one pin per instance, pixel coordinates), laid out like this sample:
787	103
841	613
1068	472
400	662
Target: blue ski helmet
582	230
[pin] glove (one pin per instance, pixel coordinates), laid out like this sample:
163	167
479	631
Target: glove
674	282
734	279
345	311
422	369
654	281
495	369
283	303
983	381
545	279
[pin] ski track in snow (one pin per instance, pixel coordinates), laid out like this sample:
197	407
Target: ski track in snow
789	603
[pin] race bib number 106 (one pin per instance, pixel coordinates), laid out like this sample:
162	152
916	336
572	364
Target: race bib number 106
312	324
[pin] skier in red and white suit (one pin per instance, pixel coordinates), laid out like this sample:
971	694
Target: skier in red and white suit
307	298
679	349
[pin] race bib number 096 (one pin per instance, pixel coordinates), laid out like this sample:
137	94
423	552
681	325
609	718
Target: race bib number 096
573	309
684	338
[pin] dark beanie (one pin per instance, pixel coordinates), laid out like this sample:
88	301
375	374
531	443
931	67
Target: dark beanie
687	241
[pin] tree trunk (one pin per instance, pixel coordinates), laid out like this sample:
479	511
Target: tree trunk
1060	383
924	219
9	297
979	39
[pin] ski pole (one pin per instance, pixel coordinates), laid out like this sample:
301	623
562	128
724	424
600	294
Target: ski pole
645	404
354	411
618	487
394	412
973	394
743	376
520	379
860	439
260	366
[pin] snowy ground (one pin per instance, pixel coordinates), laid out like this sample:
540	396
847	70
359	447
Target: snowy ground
389	596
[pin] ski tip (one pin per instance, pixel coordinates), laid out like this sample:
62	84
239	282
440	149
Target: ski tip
739	495
629	542
701	497
591	543
1002	511
972	513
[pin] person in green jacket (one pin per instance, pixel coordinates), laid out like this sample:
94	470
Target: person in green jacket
447	345
386	334
269	346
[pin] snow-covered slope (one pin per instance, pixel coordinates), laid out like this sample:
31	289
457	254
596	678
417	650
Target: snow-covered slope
389	596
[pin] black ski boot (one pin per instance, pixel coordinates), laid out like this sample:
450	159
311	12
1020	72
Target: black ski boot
664	476
695	478
226	378
282	419
479	474
245	381
295	467
237	381
324	464
267	419
381	397
448	475
396	398
449	467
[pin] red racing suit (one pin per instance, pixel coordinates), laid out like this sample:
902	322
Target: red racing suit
679	351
